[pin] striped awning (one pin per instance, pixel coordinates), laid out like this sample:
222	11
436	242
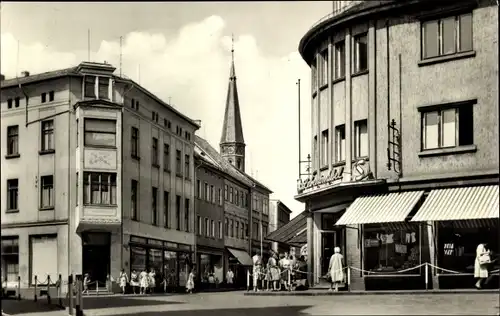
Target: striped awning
471	223
459	204
381	208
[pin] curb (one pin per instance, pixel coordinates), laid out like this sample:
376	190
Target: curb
359	293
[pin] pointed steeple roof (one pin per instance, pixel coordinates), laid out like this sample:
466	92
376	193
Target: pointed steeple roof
232	130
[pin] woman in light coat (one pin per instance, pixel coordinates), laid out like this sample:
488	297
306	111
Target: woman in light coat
481	264
336	270
144	281
152	280
123	278
134	281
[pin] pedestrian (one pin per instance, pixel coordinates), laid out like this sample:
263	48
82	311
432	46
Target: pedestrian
144	281
152	280
286	273
483	259
123	278
335	269
86	282
229	277
190	282
274	271
257	267
134	281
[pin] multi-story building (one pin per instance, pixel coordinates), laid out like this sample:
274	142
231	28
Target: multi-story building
405	141
279	216
106	171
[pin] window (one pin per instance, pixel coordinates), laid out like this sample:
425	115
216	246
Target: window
391	250
231	225
77	133
207	192
220	230
360	53
212	194
231	194
9	103
100	133
236	197
340	143
225	193
13	140
12	194
213	228
323	79
43	97
236	229
48	135
99	188
447	36
324	148
10	259
227	226
186	166
154	206
315	151
17	101
136	105
447	128
314	75
166	157
200	225
47	192
255	230
104	88
178	167
134	193
220	196
77	188
242	197
207	227
264	230
51	96
154	152
339	71
186	214
178	211
242	230
89	87
167	123
166	204
198	189
135	142
361	139
246	230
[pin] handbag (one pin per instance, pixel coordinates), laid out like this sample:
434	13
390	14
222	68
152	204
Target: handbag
484	258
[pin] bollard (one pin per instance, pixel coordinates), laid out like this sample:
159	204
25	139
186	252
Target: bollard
349	279
18	288
97	287
289	280
48	290
248	280
165	285
59	290
426	277
36	281
79	287
70	294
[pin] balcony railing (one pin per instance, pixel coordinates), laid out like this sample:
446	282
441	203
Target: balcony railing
338	11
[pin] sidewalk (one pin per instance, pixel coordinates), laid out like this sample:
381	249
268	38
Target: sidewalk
324	292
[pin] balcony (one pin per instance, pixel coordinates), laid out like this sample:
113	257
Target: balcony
97	217
339	7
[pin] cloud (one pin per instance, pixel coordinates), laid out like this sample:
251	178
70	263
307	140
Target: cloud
192	69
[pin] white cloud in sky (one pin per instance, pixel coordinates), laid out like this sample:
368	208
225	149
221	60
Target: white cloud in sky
192	69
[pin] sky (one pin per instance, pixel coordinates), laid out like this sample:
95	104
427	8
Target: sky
181	51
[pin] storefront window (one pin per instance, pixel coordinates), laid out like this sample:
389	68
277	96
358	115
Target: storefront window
137	259
183	268
210	265
155	260
457	245
391	250
170	268
205	268
10	259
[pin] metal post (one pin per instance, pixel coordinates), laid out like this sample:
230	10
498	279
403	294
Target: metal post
79	289
426	276
59	290
48	290
36	281
19	287
349	279
289	280
248	280
70	294
97	287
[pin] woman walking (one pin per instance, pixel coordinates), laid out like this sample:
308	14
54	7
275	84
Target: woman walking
123	280
152	280
336	269
144	282
190	282
483	259
274	271
134	281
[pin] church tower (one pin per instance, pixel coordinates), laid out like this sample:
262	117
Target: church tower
232	144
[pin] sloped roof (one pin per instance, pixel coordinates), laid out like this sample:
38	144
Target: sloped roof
232	129
293	232
39	77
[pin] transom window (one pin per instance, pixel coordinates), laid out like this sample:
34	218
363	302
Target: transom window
446	128
99	188
100	132
447	36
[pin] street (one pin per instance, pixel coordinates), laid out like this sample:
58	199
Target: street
235	303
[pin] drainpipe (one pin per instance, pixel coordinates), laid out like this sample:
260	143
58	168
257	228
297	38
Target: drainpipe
70	272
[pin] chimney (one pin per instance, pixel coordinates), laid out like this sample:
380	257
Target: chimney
25	73
198	122
2	77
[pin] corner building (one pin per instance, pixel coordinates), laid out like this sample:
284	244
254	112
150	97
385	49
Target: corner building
97	175
405	141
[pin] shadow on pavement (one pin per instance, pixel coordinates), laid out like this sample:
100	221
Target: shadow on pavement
262	311
14	307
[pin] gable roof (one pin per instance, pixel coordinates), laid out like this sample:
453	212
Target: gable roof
293	232
7	83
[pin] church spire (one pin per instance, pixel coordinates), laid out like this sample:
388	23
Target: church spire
232	143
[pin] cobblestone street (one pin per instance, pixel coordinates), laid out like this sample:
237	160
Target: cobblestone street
237	304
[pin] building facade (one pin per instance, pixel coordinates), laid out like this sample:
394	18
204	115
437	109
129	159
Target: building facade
405	141
279	216
110	182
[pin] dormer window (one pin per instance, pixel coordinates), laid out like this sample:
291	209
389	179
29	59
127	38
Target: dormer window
89	87
104	88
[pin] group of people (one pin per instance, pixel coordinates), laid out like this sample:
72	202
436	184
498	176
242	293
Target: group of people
146	282
281	271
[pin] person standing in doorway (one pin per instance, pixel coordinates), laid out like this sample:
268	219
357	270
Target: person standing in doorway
336	269
229	277
134	281
483	259
123	279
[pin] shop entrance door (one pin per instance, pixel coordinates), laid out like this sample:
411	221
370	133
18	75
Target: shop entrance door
96	254
328	243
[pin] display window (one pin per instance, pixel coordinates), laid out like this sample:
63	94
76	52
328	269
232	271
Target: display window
137	259
170	268
389	250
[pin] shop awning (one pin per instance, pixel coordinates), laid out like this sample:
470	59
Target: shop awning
381	208
287	233
242	256
459	204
